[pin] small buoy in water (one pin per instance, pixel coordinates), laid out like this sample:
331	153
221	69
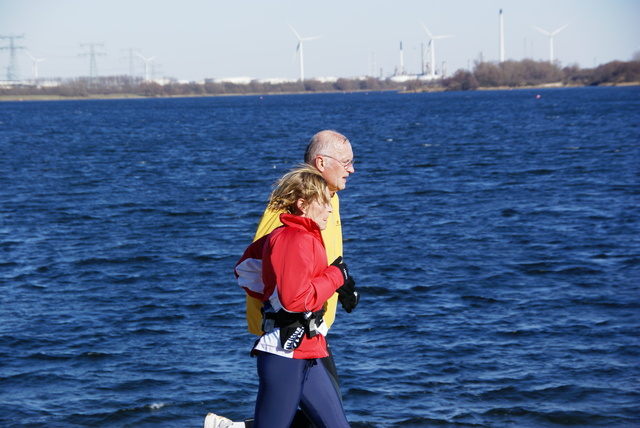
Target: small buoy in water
538	97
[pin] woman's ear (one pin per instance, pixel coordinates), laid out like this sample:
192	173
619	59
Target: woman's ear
302	206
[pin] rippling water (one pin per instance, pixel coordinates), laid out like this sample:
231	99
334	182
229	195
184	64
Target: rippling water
494	236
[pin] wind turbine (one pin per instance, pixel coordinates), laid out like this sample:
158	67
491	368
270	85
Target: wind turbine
299	48
501	37
146	65
35	64
550	35
432	45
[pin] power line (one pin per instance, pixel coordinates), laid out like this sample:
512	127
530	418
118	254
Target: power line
132	56
93	67
12	69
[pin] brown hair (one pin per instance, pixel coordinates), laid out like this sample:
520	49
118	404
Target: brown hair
302	182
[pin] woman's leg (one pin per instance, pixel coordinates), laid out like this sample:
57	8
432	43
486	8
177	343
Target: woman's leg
301	420
320	401
281	382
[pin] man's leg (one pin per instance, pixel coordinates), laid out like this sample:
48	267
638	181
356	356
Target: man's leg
330	365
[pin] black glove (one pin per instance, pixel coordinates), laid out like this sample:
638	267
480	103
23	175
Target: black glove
342	266
347	294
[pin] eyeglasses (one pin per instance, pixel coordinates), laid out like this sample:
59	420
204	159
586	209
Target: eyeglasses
345	164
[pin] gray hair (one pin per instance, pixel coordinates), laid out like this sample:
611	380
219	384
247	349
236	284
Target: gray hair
323	142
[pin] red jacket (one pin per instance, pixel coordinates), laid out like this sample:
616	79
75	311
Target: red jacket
294	262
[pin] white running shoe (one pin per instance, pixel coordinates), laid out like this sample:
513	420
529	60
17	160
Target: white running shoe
214	421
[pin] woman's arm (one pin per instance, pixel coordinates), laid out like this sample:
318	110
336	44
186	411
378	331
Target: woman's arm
302	276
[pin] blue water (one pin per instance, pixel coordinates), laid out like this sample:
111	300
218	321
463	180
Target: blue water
494	236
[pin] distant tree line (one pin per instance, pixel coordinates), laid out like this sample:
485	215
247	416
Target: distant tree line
517	74
512	74
126	85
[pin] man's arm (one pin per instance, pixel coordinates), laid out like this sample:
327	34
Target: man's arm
332	237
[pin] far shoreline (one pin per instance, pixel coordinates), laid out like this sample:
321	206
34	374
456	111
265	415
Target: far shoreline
558	85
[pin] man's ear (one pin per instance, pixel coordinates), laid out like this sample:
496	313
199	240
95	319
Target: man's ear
319	163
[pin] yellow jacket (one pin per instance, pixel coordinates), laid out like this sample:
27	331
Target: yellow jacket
332	237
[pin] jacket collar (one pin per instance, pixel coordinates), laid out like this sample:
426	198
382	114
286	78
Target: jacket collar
299	222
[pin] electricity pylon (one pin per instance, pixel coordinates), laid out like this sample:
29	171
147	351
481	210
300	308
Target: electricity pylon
12	69
93	67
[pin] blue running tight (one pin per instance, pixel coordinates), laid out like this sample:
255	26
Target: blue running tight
286	383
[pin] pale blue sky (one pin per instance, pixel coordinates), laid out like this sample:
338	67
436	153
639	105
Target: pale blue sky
196	39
